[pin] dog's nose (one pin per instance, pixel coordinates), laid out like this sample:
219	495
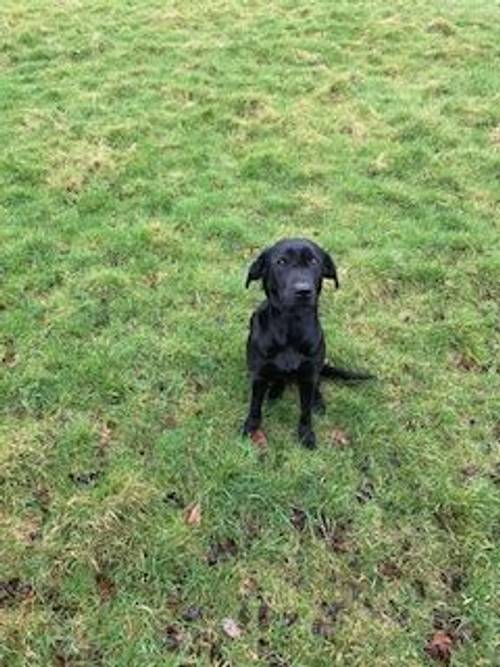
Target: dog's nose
303	290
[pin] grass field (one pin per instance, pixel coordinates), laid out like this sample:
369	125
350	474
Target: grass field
149	150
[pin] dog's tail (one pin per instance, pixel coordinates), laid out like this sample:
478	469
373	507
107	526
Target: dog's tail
344	374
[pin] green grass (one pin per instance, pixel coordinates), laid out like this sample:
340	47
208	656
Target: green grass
149	151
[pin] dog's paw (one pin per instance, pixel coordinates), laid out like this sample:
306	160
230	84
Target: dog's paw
319	406
307	437
250	425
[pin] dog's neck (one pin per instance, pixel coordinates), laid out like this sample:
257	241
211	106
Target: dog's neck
292	321
293	313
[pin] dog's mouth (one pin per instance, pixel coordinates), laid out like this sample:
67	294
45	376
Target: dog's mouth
299	300
305	300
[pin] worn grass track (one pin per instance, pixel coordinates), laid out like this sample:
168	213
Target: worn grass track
148	151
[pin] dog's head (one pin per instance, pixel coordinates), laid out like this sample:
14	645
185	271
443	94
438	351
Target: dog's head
292	272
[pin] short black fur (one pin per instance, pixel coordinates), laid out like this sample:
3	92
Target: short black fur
286	342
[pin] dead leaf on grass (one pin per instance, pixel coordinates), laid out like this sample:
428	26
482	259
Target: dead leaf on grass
465	363
170	422
335	534
152	279
298	519
30	530
439	646
192	515
442	26
263	614
321	628
389	569
340	438
106	587
15	590
469	471
332	609
454	579
249	586
222	550
42	497
231	628
173	637
271	657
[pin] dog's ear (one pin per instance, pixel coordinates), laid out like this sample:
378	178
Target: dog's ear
257	268
329	269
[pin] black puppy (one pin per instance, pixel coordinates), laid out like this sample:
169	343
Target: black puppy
286	342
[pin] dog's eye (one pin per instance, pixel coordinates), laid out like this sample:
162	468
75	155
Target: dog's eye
313	260
281	261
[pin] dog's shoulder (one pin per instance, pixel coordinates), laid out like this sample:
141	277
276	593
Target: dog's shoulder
260	318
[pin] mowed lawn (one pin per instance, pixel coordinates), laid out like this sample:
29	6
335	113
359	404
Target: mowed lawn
148	151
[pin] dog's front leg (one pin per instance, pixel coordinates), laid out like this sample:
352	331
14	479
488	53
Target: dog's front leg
252	422
307	390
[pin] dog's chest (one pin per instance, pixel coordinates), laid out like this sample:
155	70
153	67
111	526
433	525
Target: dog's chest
288	361
290	355
289	347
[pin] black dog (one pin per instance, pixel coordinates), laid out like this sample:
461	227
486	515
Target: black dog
286	342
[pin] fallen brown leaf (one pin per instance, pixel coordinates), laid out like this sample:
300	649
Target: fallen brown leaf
152	279
170	421
14	590
173	637
249	586
222	550
231	628
263	614
442	26
465	363
192	514
469	471
332	609
335	534
454	578
439	646
42	497
340	438
271	657
30	530
298	519
389	569
252	528
106	587
323	628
